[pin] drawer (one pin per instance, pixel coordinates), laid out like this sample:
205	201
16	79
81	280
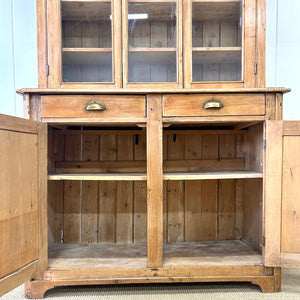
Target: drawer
230	105
73	106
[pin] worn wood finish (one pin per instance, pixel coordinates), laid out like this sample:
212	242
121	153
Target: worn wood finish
70	106
110	256
290	242
192	105
154	182
90	201
268	283
124	222
42	161
17	124
140	166
23	157
19	220
290	260
261	43
117	43
140	194
13	280
219	88
272	193
212	175
54	44
41	13
250	15
253	212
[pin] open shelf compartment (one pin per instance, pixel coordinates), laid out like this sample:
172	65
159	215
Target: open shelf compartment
213	194
97	203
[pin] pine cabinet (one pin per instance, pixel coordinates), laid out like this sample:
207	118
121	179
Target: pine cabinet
152	44
159	191
151	151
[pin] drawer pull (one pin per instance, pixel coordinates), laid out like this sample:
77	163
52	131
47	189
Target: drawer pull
213	104
95	106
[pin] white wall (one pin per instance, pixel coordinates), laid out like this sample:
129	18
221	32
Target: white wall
18	54
283	52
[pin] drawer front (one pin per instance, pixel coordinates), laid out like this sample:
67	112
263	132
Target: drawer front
230	105
71	106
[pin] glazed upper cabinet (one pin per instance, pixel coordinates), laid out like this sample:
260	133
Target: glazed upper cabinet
151	44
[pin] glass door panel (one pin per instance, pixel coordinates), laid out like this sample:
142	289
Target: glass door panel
152	41
216	41
87	41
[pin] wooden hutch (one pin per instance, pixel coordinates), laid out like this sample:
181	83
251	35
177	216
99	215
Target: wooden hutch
151	151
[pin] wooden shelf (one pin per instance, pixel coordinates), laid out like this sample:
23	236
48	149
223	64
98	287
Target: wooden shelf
152	56
148	49
210	253
217	55
87	55
221	10
86	10
152	1
208	1
113	255
160	11
166	176
85	50
212	175
101	176
107	255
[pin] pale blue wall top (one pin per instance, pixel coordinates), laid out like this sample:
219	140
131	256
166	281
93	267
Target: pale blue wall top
283	52
18	52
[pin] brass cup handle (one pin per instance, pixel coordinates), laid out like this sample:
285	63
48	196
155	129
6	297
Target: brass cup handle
213	104
95	106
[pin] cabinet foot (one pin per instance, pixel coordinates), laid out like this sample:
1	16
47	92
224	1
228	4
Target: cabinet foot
270	284
36	289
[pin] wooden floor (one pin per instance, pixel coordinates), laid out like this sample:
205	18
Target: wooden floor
215	253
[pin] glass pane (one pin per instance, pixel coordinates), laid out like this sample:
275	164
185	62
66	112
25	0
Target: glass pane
86	41
152	42
217	42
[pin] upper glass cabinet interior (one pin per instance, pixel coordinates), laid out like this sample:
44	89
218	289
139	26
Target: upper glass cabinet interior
86	41
152	41
217	40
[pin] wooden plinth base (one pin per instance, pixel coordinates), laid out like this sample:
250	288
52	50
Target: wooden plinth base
269	280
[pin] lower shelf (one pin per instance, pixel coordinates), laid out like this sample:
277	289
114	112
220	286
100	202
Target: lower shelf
109	255
212	253
166	176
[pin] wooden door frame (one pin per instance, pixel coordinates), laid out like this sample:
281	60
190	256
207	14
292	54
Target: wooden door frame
50	47
37	266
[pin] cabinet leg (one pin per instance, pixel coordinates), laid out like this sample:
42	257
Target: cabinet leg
270	284
36	289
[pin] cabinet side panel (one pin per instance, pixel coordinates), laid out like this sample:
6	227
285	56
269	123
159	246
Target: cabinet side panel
290	195
19	220
272	193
